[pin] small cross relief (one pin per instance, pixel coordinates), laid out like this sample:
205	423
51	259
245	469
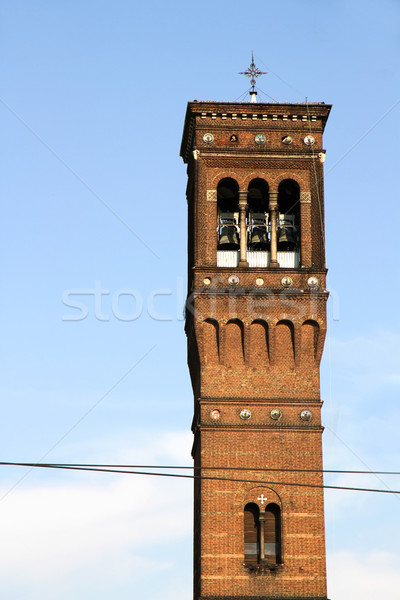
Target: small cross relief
262	499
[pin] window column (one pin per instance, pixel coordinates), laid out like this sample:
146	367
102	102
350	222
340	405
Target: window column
243	229
273	210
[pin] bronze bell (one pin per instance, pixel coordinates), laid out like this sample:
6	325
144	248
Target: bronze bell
259	239
228	238
287	238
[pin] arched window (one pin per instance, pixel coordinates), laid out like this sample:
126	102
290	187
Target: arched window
272	534
258	202
251	534
262	536
289	216
228	214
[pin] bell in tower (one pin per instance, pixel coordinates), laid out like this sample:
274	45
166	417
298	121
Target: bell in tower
228	215
289	215
258	202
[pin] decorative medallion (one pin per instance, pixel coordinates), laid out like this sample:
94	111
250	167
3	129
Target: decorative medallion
208	138
275	414
260	138
286	282
287	140
206	281
215	414
306	415
233	280
259	281
309	140
234	138
313	282
245	414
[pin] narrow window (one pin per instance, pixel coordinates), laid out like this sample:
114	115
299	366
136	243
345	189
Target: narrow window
272	534
251	534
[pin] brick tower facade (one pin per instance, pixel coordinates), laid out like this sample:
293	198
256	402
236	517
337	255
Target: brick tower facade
256	322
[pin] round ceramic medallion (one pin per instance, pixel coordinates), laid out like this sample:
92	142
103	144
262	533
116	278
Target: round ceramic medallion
233	280
275	414
245	414
306	415
313	282
208	138
287	281
309	140
260	138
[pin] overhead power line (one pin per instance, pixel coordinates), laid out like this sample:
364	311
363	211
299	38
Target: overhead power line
187	467
121	469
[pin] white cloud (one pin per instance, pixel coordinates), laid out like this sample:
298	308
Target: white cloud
95	533
370	576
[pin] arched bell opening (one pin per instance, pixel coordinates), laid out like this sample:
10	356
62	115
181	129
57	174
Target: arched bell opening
228	214
258	202
289	216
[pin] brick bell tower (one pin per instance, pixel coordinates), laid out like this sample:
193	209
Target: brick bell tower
256	322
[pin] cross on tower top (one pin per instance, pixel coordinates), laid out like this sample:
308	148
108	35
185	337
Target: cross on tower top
253	72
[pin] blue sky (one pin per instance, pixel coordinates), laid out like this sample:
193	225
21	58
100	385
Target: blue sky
92	102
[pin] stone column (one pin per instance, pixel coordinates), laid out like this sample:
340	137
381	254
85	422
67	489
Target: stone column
273	211
243	229
262	534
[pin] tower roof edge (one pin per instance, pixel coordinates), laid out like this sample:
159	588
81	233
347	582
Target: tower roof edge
313	111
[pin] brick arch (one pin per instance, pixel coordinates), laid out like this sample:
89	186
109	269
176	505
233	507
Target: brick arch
285	343
320	337
254	492
309	341
234	343
225	174
301	180
210	341
259	343
314	318
255	175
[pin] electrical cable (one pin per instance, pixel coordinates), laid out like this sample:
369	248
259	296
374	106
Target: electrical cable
200	477
177	467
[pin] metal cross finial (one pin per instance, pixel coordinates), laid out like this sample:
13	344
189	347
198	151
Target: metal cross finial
253	72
